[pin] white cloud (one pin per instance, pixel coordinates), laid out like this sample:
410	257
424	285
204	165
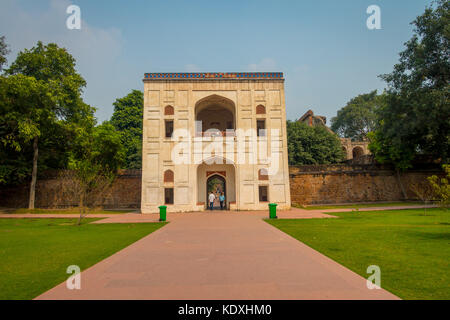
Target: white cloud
96	50
265	65
192	68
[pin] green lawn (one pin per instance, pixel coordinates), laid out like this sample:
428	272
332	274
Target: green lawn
359	205
35	253
411	248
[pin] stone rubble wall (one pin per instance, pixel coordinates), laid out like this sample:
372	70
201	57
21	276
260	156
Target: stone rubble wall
314	184
125	192
345	183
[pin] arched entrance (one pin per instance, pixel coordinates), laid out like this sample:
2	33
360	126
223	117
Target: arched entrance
357	152
217	185
216	177
215	114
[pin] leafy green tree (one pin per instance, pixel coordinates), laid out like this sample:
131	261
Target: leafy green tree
41	95
441	186
95	159
415	118
358	117
3	52
26	105
127	118
312	145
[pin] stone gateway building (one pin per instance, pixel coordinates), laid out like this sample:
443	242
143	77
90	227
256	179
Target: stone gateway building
219	133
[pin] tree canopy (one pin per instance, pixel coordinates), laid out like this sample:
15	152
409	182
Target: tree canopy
97	155
312	145
415	118
3	52
41	108
97	149
127	118
40	98
358	117
52	64
26	107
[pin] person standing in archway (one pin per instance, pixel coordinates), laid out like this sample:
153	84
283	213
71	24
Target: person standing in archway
211	199
222	201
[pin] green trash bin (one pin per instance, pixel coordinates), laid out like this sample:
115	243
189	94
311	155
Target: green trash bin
162	213
273	210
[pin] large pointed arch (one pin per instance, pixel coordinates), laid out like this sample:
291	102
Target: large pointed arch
215	112
226	171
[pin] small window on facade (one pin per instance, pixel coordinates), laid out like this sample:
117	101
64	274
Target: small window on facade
263	174
260	109
169	111
168	176
168	195
261	128
169	128
263	194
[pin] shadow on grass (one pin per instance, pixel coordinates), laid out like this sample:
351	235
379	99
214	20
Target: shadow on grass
418	235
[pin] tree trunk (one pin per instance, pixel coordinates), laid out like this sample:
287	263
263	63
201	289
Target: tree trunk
33	175
401	185
81	207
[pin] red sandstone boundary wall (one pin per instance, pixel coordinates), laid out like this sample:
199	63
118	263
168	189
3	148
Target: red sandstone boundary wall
125	192
344	183
317	184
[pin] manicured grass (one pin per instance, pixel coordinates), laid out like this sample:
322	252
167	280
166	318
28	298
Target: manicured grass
359	205
35	253
411	248
65	211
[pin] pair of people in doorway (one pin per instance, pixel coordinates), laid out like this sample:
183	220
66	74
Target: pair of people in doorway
212	198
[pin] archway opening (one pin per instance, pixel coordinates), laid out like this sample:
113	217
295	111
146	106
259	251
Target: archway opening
226	173
216	185
357	152
215	115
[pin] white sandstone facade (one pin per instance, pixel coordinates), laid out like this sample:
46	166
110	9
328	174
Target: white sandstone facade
214	132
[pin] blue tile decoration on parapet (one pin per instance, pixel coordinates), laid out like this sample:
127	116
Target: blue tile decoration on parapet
215	75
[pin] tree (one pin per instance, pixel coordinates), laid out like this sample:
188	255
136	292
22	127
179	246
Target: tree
415	118
424	191
27	105
312	145
358	117
3	52
53	101
127	118
97	156
441	187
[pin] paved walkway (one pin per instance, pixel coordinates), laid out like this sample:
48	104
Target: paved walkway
143	218
218	256
294	213
53	215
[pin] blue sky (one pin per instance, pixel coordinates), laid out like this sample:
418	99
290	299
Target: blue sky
324	48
